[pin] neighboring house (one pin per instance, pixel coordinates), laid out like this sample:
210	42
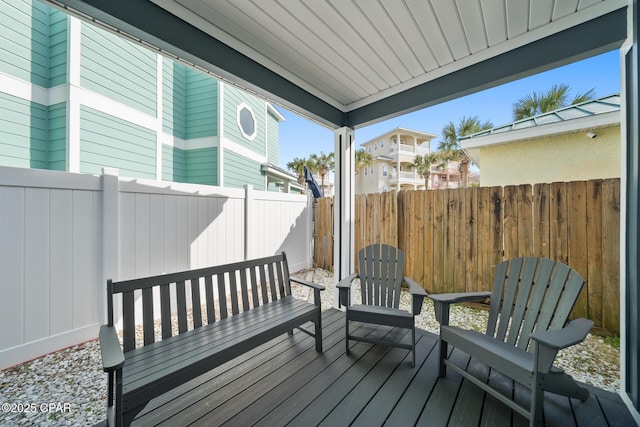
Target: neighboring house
392	153
579	142
77	98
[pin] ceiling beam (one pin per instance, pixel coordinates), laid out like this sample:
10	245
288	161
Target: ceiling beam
590	38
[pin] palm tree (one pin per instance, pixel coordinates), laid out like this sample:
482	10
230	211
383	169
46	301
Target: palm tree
556	97
297	166
363	159
322	164
450	146
422	165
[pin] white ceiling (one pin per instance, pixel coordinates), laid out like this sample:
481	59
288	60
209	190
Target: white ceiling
354	62
351	53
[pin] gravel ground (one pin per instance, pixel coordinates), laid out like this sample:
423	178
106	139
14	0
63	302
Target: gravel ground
68	388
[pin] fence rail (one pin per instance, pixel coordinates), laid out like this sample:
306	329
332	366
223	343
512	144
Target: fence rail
454	238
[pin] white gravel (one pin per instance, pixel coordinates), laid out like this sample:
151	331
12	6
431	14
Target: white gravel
68	388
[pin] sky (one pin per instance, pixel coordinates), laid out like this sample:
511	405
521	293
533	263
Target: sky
300	137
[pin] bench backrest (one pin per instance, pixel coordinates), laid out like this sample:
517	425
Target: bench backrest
222	290
380	268
531	294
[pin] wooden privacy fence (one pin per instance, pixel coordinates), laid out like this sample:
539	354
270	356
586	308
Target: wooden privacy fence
454	238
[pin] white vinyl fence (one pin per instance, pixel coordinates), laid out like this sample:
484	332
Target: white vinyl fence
62	235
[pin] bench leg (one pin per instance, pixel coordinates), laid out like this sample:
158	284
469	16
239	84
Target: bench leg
318	333
442	368
413	346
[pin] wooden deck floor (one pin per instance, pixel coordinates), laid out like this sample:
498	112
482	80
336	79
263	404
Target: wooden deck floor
286	382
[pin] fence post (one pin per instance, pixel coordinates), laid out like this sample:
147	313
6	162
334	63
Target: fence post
110	231
249	232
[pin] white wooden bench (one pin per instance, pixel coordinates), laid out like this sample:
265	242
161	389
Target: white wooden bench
246	304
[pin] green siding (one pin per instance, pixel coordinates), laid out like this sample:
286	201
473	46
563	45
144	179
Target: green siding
233	97
24	40
109	141
58	50
24	133
58	137
173	164
201	106
272	139
239	171
118	69
202	166
174	98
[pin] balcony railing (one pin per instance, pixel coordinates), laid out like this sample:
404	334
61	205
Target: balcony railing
408	149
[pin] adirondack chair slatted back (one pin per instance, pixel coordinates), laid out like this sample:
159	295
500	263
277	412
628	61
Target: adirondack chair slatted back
380	270
245	285
531	294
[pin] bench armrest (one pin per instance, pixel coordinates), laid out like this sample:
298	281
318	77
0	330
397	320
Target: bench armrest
112	355
417	295
548	343
441	302
307	283
316	289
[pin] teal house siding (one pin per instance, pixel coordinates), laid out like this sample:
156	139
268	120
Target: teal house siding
239	170
24	133
202	166
174	88
118	69
272	139
109	141
173	164
201	108
24	41
58	137
233	97
58	47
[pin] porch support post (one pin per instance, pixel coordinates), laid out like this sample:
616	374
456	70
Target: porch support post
630	274
343	205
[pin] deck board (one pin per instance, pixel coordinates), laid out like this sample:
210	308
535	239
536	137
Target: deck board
286	382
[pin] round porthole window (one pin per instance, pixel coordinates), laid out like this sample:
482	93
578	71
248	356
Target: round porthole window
246	121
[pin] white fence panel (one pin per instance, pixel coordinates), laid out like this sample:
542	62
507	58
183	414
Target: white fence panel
63	234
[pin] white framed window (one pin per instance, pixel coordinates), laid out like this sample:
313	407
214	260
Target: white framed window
366	172
246	121
384	170
375	146
371	170
381	143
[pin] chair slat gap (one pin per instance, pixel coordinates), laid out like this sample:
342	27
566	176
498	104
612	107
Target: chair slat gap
244	289
222	296
211	306
515	267
196	304
254	287
128	321
376	275
234	292
399	269
385	283
181	298
362	266
281	285
520	306
165	311
545	269
272	282
263	284
285	274
556	286
147	316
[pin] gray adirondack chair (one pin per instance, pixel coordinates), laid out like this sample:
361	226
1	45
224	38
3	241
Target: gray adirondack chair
380	272
528	324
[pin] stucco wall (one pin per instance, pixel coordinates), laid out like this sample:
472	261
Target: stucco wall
569	157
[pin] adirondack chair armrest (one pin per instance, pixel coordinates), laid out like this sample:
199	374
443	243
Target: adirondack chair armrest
316	288
417	295
344	289
548	343
441	302
110	349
